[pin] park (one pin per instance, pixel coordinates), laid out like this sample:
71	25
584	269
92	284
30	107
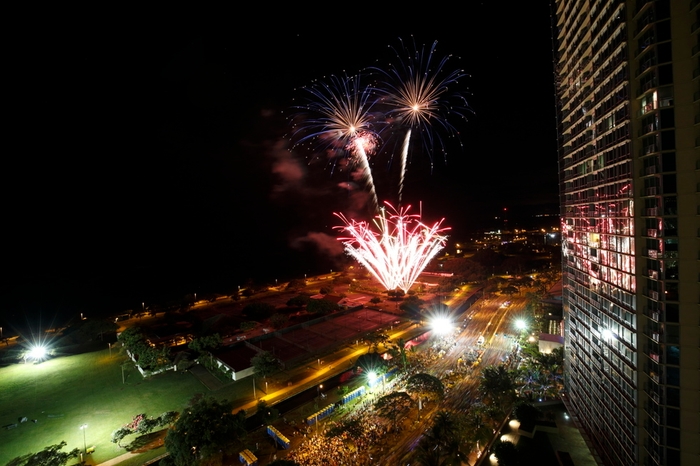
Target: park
62	394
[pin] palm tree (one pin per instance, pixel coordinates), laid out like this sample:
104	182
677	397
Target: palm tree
497	385
441	444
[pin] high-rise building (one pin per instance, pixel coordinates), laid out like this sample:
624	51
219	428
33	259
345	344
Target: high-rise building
627	77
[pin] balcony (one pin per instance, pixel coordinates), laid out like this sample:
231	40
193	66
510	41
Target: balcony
647	108
650	149
646	129
645	66
651	84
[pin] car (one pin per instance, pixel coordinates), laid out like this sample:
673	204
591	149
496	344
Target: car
480	341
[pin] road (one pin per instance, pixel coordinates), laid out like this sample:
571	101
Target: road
489	318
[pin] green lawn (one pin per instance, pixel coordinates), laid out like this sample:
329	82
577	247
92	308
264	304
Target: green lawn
66	392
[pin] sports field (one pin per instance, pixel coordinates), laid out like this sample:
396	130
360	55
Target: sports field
64	393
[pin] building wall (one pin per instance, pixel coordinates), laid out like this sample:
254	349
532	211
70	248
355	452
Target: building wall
628	103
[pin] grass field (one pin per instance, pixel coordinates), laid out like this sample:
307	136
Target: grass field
64	393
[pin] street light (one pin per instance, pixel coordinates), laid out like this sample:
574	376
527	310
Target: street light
372	377
520	324
83	428
441	325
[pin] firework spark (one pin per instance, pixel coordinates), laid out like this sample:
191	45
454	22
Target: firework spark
342	123
417	89
398	250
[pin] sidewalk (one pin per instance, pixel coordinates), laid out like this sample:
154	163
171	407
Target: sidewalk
119	459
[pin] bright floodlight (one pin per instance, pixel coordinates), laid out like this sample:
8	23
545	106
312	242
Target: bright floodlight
520	324
37	352
607	334
372	376
441	325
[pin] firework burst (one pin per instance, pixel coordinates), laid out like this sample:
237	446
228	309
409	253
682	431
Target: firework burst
341	122
417	91
397	249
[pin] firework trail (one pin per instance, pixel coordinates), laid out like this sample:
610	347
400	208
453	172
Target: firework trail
398	250
342	123
417	91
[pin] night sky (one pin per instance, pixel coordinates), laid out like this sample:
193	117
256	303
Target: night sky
151	159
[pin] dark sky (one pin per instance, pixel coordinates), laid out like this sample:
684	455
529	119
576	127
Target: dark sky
156	147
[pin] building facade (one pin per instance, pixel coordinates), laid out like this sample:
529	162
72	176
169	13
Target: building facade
627	77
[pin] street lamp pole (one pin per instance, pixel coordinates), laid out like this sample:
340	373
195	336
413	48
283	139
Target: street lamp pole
83	428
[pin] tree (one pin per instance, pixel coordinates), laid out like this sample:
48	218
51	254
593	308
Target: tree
205	430
90	329
527	414
266	414
321	306
147	425
497	386
398	351
375	339
205	344
151	358
442	443
248	325
393	405
168	418
298	301
279	320
425	386
49	456
506	453
265	363
412	306
130	338
119	434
